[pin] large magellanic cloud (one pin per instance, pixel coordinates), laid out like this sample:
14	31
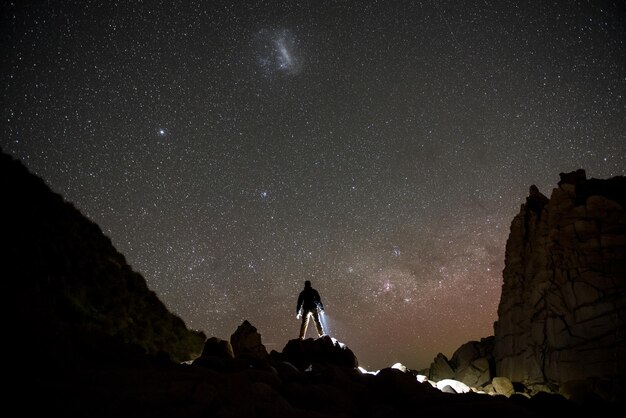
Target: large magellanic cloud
276	52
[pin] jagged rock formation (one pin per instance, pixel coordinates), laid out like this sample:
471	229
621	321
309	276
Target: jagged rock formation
562	313
70	294
218	385
472	364
246	342
320	378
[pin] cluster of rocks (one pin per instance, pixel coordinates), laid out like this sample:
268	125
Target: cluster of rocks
562	313
311	378
472	368
322	377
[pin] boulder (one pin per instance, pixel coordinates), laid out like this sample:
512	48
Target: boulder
303	353
218	348
440	368
246	342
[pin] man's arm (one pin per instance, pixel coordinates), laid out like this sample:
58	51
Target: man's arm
319	300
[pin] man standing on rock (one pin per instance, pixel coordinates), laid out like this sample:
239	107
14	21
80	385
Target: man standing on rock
309	302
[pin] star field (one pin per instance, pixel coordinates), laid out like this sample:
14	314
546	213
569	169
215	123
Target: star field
233	150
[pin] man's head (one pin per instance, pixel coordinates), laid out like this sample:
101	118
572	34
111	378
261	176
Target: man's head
307	283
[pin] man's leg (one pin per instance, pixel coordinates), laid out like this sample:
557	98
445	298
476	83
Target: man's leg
304	325
318	323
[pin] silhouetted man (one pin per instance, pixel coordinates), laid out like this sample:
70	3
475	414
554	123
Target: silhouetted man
309	302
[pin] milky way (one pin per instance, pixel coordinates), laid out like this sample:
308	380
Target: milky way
379	149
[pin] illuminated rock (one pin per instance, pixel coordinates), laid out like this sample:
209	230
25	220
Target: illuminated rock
327	350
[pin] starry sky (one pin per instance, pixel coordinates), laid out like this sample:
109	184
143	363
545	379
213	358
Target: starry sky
380	149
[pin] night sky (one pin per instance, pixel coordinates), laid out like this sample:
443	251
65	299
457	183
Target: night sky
380	149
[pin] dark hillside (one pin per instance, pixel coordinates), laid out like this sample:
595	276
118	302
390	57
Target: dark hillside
70	294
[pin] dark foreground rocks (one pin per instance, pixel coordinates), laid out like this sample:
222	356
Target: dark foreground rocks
310	378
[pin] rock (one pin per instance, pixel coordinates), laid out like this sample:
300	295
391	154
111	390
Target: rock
475	374
440	368
502	386
302	353
246	342
457	387
464	355
400	367
218	348
473	362
447	389
562	310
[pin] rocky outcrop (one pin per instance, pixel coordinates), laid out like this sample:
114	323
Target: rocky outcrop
326	383
216	347
304	353
246	342
562	312
471	364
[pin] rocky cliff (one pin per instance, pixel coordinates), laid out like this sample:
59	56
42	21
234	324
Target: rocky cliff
562	313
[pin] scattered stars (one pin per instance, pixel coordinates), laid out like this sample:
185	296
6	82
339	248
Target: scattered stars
383	157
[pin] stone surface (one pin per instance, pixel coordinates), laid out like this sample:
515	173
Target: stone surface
324	350
562	311
246	342
440	368
502	386
217	347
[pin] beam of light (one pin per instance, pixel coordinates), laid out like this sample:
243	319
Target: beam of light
324	321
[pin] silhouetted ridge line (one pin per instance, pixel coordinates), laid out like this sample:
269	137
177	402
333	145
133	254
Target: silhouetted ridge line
68	287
